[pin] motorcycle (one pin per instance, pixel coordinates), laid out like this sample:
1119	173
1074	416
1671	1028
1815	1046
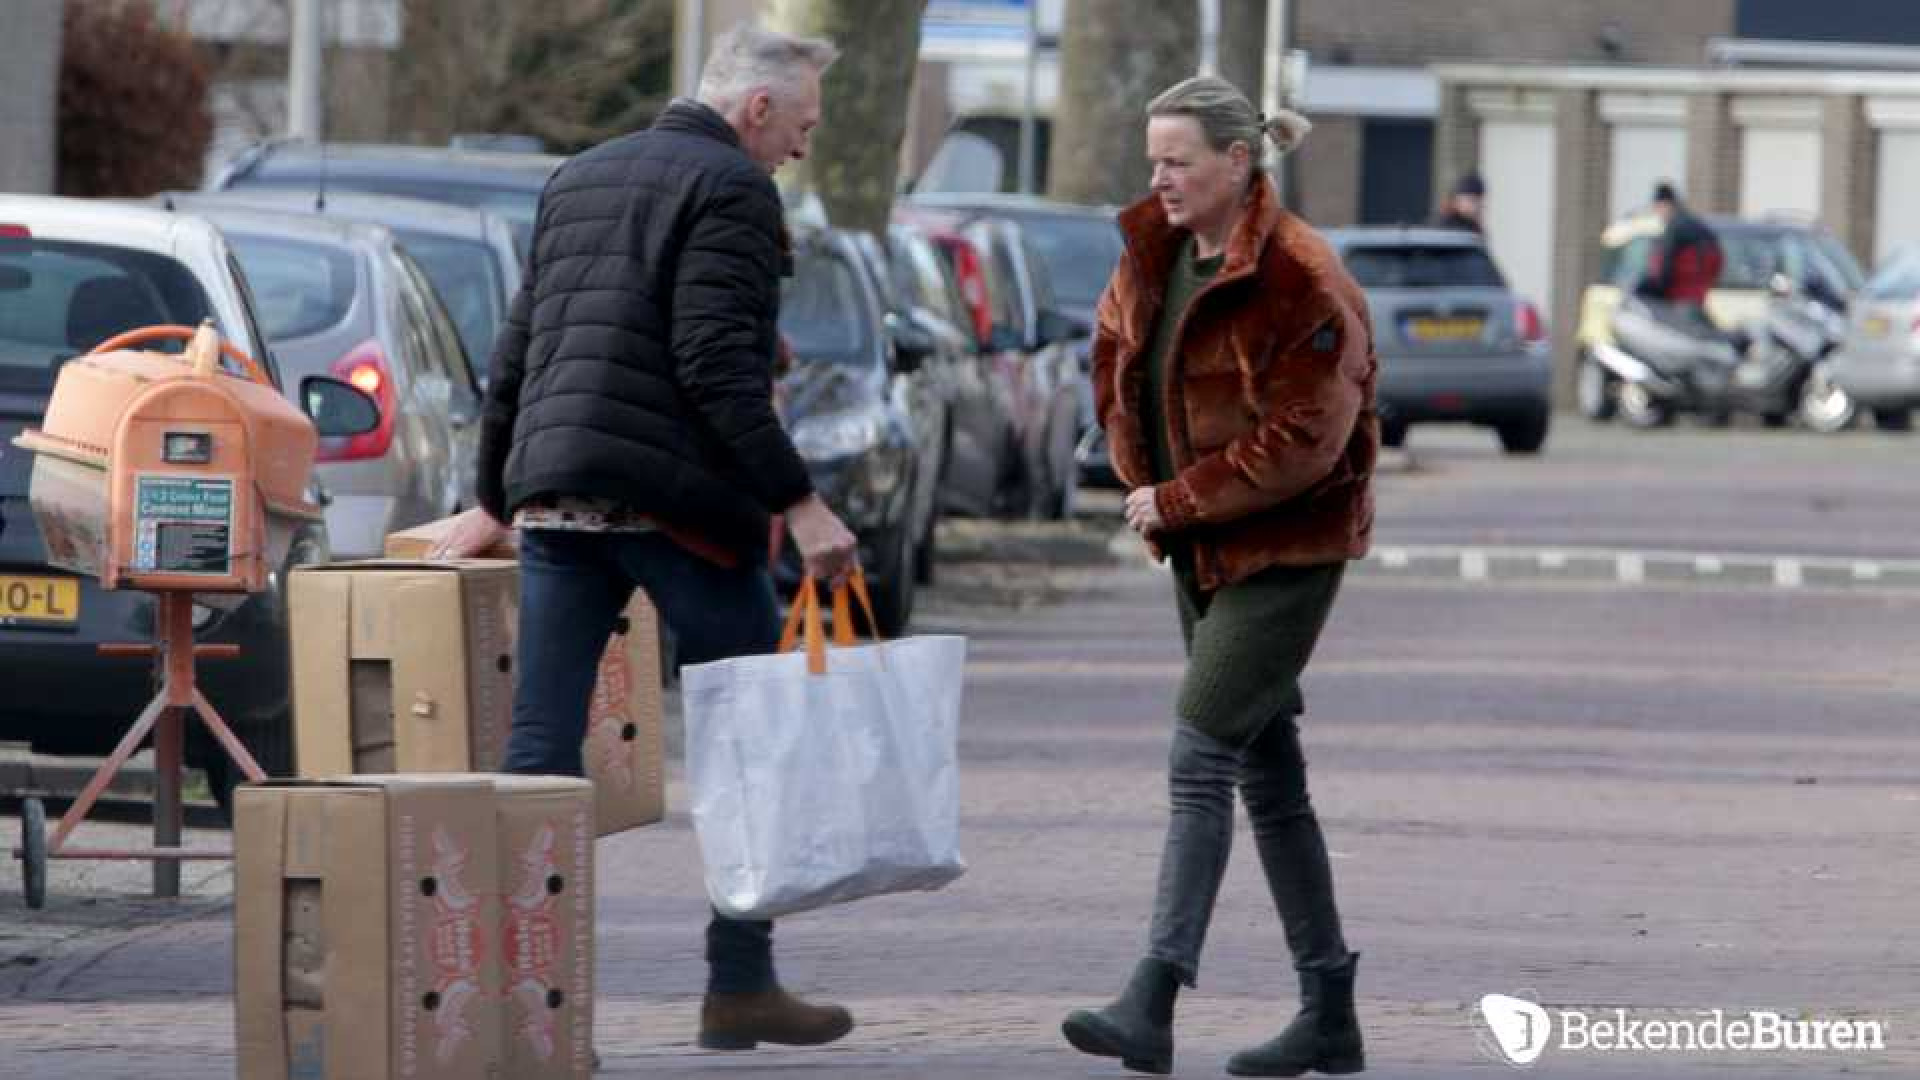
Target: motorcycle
1665	360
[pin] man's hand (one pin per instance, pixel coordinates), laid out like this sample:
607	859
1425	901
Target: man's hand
472	533
827	549
1143	512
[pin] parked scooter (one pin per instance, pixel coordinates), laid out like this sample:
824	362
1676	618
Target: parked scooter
1667	360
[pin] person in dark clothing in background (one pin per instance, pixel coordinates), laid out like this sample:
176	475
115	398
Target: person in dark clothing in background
1464	208
1685	261
630	434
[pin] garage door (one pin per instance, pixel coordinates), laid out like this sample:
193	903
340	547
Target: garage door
1517	160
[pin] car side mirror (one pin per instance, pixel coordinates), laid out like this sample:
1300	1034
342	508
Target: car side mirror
1779	284
337	409
913	344
1057	327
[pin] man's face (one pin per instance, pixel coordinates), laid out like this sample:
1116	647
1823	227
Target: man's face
1467	206
780	125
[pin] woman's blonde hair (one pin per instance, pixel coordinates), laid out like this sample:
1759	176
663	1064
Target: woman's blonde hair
1226	116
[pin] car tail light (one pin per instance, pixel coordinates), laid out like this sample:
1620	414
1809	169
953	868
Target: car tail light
973	287
15	232
1526	319
364	368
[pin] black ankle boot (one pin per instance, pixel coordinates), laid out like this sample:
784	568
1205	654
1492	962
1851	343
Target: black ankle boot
1137	1028
1324	1036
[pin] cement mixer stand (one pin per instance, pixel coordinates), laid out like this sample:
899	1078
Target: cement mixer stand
165	716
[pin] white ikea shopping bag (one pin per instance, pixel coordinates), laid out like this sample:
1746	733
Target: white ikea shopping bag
826	775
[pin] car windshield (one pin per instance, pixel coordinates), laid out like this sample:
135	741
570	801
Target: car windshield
465	275
1752	253
299	288
1418	267
59	298
820	311
1898	280
1080	254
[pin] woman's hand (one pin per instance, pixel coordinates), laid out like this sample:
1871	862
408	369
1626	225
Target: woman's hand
1143	512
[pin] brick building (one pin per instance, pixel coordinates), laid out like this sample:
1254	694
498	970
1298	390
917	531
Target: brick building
1375	100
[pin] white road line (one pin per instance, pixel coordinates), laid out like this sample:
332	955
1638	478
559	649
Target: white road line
1473	565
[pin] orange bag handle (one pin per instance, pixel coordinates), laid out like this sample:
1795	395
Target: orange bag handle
145	334
843	629
804	621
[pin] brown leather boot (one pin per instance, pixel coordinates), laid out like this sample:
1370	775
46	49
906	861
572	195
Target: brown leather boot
743	1021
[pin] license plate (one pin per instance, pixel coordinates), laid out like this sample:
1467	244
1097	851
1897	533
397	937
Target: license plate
1876	326
1430	328
53	601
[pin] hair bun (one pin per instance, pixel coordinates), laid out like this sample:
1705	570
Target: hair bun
1287	129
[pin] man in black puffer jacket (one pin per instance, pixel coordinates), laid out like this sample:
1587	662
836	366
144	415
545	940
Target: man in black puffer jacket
630	434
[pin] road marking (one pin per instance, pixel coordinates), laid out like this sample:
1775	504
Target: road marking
1494	668
1485	564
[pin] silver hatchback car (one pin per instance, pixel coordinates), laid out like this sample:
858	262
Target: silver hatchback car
1456	344
1878	363
343	299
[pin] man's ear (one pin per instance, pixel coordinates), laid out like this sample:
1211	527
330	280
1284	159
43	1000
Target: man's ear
759	107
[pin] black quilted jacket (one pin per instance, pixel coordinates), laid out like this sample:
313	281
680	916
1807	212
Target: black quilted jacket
636	363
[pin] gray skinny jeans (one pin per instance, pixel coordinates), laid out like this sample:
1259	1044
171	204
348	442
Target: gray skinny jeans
1271	774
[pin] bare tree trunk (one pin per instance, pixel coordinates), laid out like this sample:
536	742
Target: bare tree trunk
1243	45
1116	55
855	160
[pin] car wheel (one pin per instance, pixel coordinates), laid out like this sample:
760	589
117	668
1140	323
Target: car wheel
1824	406
1640	409
268	738
1525	434
925	553
893	590
1893	419
1595	389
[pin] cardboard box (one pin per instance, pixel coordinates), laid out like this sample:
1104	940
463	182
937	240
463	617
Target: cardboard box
625	748
402	667
545	951
363	914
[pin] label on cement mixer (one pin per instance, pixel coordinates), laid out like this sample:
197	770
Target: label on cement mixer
183	525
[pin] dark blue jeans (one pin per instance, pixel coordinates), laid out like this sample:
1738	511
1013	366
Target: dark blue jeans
573	588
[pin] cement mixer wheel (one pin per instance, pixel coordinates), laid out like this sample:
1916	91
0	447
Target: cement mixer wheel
33	852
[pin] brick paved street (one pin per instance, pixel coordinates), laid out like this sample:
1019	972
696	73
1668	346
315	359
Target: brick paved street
1553	788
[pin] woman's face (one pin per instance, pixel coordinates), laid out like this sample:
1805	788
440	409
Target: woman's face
1198	186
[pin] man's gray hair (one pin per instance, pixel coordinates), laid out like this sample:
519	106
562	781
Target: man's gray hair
749	58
